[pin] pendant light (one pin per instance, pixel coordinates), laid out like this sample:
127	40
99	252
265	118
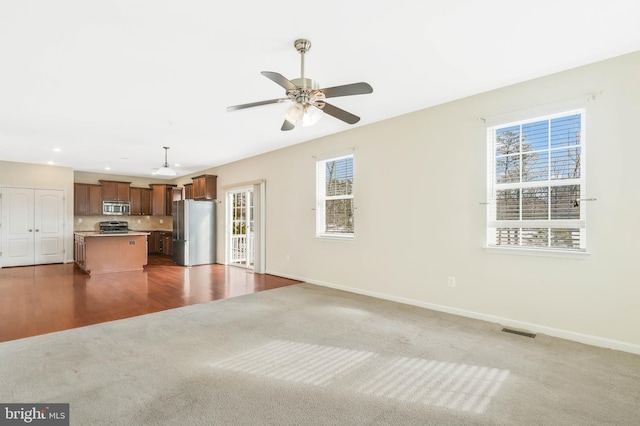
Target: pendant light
165	170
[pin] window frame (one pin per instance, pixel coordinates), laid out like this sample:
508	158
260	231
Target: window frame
493	187
322	197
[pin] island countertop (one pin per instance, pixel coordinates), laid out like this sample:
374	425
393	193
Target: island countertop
98	234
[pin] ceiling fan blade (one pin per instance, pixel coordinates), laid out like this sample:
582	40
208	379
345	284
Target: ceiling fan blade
338	113
347	90
287	125
254	104
279	79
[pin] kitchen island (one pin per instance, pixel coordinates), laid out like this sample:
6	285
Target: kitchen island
98	253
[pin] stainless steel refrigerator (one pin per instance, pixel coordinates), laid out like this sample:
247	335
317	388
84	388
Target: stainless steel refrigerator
194	241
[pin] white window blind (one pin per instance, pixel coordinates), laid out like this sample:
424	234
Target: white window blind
535	183
334	197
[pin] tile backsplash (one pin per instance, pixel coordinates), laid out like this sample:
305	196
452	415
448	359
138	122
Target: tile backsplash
136	223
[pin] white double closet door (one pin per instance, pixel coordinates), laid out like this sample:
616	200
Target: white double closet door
32	226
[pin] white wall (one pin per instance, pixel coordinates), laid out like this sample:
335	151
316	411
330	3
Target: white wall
44	177
420	179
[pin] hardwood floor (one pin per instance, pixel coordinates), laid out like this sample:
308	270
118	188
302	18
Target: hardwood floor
46	298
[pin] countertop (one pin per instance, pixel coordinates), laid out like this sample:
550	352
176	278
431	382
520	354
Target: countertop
98	234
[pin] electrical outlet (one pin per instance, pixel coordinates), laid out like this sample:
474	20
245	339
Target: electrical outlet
139	221
161	221
80	220
286	257
451	281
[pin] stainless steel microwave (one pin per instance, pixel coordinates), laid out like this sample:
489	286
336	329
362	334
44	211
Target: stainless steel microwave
116	207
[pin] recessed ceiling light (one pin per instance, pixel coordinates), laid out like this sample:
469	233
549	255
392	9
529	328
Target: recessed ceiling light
57	149
176	165
50	163
107	168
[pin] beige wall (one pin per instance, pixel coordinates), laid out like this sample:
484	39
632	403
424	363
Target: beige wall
420	179
44	177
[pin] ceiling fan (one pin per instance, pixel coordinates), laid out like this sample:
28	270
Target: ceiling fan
308	98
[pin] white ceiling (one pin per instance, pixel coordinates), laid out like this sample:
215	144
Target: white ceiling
110	82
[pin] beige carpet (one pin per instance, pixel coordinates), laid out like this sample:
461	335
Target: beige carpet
308	355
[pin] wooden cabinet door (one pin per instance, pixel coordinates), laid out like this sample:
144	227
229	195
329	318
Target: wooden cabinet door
205	187
167	244
80	199
95	199
153	242
122	191
115	191
80	250
145	201
109	190
173	194
87	199
188	191
136	201
140	201
159	200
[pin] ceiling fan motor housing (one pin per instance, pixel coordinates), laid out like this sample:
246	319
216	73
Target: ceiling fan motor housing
307	91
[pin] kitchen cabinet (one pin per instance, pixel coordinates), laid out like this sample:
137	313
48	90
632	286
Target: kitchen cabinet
103	253
87	199
173	194
115	190
162	198
188	191
141	201
166	243
80	251
153	241
205	187
160	242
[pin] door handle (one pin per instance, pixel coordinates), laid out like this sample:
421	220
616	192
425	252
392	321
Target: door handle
30	230
37	230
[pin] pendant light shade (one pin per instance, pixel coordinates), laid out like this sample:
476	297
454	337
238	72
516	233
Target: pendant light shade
165	170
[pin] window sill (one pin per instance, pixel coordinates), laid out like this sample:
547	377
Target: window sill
537	252
336	238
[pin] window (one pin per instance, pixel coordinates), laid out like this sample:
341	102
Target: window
535	184
334	197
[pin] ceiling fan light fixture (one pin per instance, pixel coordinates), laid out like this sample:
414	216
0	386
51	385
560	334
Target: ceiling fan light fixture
308	114
311	116
294	113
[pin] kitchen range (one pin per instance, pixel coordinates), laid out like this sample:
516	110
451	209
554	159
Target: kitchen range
114	227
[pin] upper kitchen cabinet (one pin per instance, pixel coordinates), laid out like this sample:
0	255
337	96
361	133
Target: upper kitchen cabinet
205	187
163	197
141	201
188	191
87	199
173	194
115	190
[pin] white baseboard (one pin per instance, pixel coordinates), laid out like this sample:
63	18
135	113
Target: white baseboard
507	322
